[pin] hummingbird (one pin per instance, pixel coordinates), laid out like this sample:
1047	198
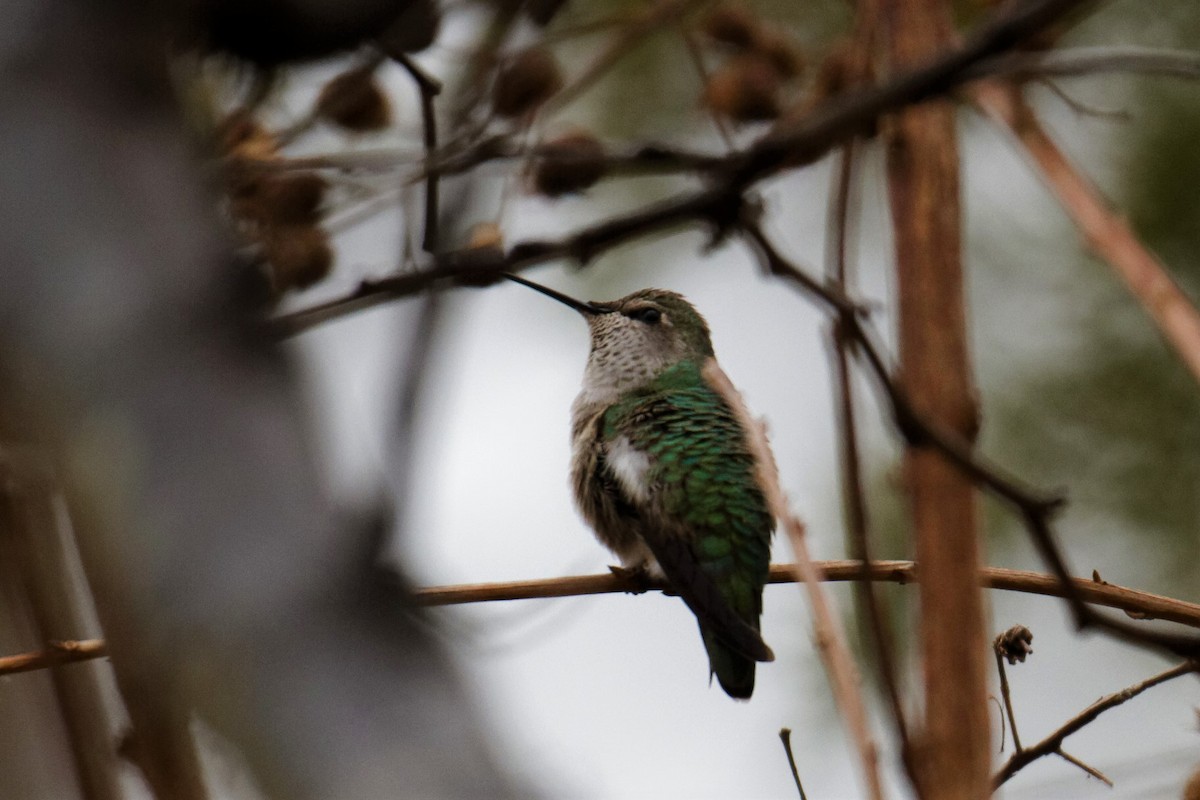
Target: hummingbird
663	472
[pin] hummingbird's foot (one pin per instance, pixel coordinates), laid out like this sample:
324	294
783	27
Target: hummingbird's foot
637	579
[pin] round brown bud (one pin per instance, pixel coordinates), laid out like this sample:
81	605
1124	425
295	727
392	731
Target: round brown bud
299	255
292	199
242	136
731	24
573	162
354	101
526	82
745	89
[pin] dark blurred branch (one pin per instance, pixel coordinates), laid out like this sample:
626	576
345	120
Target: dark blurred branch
794	144
853	494
785	736
1031	506
429	88
1075	62
1052	744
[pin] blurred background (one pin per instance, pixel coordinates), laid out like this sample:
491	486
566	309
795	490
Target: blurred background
452	410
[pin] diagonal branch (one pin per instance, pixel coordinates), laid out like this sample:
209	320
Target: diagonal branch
793	144
1106	232
1052	744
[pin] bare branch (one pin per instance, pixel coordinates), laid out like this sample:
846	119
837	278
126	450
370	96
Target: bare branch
1079	61
1108	235
843	673
1053	742
55	653
792	144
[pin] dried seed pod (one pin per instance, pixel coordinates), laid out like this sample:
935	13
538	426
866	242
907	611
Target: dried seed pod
526	82
781	52
745	89
242	136
300	255
573	162
731	24
354	101
292	199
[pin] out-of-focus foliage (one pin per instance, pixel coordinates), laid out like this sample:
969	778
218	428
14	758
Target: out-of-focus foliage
1119	422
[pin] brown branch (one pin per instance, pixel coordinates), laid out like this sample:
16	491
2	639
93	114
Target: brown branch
785	736
793	144
1080	61
55	653
429	88
853	493
1052	744
953	747
844	677
1143	605
1107	234
1034	508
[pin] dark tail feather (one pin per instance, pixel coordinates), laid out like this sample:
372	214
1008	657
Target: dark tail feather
734	671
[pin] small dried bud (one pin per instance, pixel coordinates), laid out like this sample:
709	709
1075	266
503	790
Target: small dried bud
573	162
526	82
300	255
354	101
745	89
731	24
781	53
242	136
486	235
1014	644
292	199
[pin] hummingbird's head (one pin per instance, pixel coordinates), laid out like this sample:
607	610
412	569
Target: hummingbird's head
635	338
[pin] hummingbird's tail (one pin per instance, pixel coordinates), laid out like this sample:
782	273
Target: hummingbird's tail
734	671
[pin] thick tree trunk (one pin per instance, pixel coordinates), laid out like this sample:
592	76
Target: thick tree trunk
953	749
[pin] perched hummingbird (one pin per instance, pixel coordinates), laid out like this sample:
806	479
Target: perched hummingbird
662	470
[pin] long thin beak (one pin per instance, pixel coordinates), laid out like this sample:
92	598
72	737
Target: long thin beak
587	309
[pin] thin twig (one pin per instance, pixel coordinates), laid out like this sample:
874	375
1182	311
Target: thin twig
1078	61
843	673
429	88
1006	694
1143	605
793	144
1053	742
623	40
854	495
55	653
785	736
1088	768
1031	506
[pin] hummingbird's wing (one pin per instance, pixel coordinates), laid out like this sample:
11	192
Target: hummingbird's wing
701	512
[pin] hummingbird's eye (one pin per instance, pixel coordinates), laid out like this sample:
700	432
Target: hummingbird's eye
648	315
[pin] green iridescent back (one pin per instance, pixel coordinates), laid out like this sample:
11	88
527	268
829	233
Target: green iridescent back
705	504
